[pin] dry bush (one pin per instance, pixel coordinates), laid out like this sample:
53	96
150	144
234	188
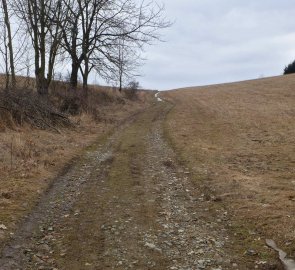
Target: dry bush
132	90
131	94
6	120
24	107
20	107
78	102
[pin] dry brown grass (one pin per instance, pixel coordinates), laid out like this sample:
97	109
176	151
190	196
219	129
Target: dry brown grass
240	140
38	156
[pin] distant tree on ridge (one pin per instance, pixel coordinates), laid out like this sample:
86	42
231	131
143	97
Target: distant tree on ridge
290	68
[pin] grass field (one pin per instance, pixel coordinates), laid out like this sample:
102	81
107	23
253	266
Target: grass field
239	139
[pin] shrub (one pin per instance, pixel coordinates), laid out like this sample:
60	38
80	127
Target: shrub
132	90
20	107
290	68
71	105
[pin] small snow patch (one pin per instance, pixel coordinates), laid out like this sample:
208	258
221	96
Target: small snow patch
3	227
157	97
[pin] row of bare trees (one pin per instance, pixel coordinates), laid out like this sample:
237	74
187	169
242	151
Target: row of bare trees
101	36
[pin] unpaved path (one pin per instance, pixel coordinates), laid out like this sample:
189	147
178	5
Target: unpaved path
127	204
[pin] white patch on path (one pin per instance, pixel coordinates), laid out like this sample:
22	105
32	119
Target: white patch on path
157	97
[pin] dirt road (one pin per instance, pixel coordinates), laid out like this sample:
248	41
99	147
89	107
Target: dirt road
126	204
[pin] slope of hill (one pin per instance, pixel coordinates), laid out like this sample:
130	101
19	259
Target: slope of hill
208	202
239	140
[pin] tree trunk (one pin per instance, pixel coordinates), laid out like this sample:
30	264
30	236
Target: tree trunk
5	56
85	85
10	46
42	84
85	78
74	75
42	80
85	88
120	81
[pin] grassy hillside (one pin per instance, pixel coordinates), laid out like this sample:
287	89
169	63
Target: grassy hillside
239	139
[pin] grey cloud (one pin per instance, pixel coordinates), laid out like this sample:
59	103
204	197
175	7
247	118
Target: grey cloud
221	40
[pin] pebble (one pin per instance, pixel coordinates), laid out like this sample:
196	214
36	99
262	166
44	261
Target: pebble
3	227
251	252
153	247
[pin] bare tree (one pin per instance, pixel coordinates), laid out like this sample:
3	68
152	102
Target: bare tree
121	64
44	20
97	27
78	38
127	62
95	35
9	42
4	54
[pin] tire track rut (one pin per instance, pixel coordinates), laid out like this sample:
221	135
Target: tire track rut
127	204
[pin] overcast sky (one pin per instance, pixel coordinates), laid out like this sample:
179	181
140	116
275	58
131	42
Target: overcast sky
215	41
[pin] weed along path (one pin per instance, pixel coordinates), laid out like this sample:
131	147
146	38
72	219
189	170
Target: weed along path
126	204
